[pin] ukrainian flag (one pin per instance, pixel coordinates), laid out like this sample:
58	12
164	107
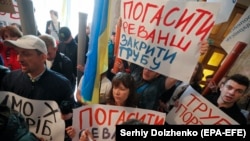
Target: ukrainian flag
97	61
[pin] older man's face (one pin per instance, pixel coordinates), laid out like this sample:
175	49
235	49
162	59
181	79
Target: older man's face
51	53
30	60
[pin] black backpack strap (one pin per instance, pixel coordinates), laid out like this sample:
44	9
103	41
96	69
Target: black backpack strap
54	28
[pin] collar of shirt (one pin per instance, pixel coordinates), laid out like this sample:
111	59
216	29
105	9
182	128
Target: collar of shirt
49	63
34	79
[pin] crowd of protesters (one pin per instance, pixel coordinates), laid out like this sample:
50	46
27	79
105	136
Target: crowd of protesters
45	68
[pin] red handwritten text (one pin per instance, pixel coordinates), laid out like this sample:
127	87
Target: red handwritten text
189	117
101	117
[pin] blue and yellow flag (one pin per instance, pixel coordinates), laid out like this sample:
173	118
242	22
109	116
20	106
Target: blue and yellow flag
97	61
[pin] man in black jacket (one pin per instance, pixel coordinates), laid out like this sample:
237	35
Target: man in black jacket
57	61
230	93
34	80
68	46
3	71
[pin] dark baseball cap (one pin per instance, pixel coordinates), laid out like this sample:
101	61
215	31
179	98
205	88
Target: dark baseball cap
64	34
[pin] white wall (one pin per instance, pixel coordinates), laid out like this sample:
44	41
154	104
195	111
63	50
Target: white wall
68	11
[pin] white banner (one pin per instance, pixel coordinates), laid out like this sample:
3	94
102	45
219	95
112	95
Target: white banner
194	109
240	32
100	120
226	9
43	117
8	16
163	35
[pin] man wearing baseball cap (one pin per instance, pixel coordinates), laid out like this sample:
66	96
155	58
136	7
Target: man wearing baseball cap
68	46
33	80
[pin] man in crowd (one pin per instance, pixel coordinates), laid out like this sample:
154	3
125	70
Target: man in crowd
33	80
230	92
68	46
57	61
150	84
